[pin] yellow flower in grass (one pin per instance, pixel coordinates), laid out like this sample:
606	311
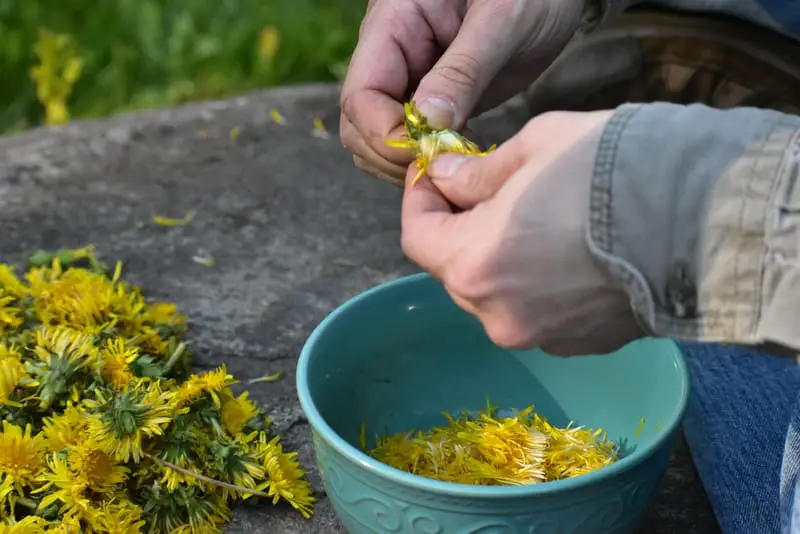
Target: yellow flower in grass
115	360
12	373
284	475
236	412
123	422
22	459
66	429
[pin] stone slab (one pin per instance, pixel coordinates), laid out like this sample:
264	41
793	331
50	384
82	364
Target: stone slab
293	227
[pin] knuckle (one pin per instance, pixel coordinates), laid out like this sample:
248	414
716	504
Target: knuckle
407	244
346	104
460	70
509	334
544	120
539	129
345	135
469	278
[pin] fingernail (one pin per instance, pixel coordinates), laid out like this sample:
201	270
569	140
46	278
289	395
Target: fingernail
439	112
446	165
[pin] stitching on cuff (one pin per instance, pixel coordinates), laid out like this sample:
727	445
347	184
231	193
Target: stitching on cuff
599	234
601	188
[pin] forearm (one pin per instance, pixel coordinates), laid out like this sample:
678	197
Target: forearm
696	212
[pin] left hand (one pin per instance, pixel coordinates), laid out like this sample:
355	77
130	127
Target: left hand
517	256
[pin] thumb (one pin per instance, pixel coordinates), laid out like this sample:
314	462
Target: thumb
466	181
450	91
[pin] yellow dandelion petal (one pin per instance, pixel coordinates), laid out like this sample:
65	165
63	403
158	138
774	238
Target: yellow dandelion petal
22	457
11	316
276	116
284	476
489	450
28	525
210	382
11	284
60	485
320	130
236	412
115	360
66	344
97	468
66	429
164	313
169	221
12	374
119	517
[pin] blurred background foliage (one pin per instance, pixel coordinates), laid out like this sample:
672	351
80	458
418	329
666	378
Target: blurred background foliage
62	59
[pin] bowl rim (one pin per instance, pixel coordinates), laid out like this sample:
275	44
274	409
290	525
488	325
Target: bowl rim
453	489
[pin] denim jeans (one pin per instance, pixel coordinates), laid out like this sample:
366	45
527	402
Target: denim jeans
743	430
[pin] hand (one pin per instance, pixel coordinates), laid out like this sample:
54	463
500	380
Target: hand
517	256
457	57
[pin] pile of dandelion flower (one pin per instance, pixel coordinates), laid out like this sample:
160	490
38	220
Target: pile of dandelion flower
105	429
491	450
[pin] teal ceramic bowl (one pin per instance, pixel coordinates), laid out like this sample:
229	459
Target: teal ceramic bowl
397	356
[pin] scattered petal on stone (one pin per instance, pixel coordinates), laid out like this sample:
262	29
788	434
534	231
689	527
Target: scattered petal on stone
276	116
168	221
267	378
235	131
206	260
320	130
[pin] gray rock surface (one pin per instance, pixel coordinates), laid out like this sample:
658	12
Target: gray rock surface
293	227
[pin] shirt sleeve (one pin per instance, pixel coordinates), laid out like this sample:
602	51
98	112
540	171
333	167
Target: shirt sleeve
696	212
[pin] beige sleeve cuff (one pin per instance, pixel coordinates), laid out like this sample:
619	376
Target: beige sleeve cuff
696	212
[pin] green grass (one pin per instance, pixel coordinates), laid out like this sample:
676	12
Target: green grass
153	53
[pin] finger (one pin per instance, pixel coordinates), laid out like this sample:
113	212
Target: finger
368	168
467	181
429	226
462	303
377	118
604	340
390	55
356	144
448	94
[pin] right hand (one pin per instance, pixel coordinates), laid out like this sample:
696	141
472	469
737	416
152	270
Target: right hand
457	58
516	255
